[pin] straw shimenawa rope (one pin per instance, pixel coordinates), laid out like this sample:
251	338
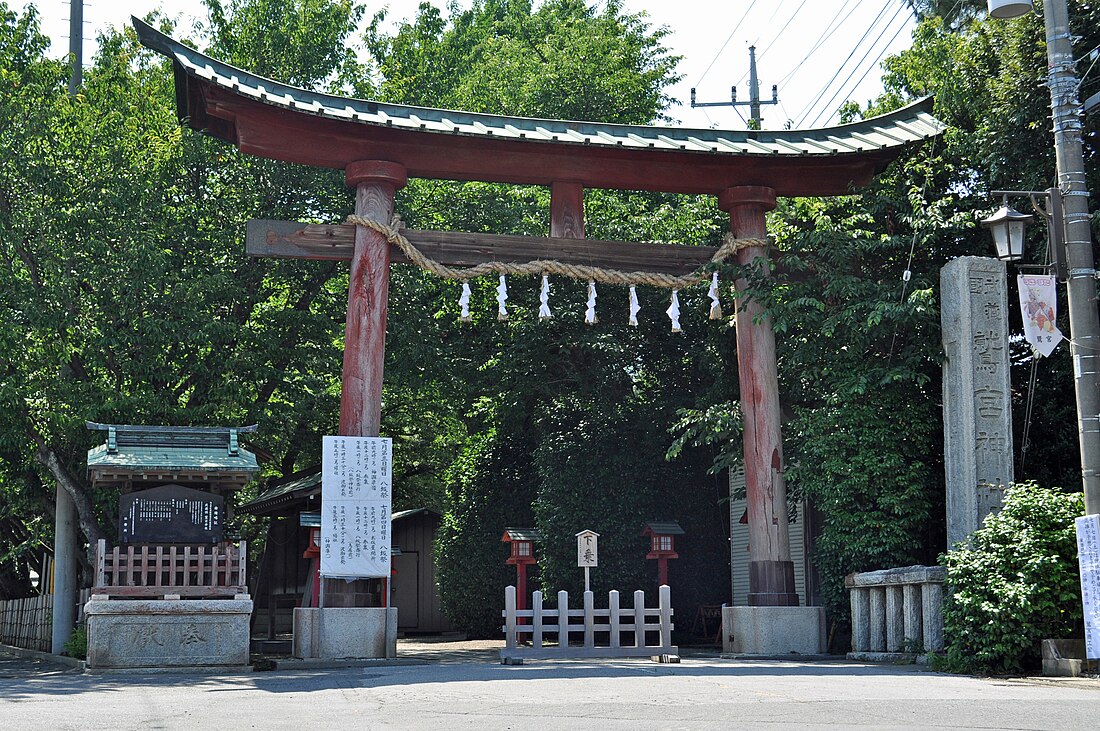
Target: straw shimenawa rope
392	233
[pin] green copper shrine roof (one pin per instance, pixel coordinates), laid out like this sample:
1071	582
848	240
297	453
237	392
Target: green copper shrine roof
208	455
278	121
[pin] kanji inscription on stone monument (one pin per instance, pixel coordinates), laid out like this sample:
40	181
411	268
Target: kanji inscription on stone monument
976	406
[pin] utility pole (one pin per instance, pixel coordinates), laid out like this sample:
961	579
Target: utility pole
65	532
754	101
1084	320
76	44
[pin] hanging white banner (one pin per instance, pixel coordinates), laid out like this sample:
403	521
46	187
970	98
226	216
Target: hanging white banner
1039	307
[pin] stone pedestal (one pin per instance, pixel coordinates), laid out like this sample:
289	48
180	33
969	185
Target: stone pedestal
773	630
334	633
977	411
168	634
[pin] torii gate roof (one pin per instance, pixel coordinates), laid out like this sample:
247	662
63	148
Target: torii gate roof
277	121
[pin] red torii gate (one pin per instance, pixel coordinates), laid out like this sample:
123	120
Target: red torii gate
380	145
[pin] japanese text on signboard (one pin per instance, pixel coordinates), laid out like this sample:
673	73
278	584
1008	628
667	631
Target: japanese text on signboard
356	499
1088	552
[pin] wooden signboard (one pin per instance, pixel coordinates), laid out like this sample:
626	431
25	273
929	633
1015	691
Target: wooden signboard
356	504
171	514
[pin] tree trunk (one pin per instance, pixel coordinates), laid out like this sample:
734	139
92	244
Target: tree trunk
85	510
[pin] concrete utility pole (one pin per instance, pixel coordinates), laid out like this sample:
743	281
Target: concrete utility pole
65	532
1081	282
76	44
754	103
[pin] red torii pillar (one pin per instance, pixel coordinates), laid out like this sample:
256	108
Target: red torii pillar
375	182
771	571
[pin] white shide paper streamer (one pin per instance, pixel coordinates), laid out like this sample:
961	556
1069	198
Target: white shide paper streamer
464	302
715	303
590	312
673	311
544	299
502	297
634	306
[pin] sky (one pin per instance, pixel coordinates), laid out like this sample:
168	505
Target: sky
818	52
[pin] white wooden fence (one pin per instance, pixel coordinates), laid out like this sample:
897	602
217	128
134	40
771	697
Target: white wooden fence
28	623
608	625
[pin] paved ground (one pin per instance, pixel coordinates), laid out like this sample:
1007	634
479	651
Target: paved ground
463	687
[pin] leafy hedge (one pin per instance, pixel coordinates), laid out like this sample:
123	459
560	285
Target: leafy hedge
1014	583
489	488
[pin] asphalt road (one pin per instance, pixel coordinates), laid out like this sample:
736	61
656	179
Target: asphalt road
471	691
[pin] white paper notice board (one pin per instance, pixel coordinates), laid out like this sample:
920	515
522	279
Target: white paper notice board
356	504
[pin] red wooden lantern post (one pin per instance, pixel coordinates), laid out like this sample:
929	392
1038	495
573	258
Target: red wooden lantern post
312	521
522	542
662	545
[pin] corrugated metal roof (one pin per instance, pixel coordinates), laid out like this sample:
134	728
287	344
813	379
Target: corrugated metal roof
912	124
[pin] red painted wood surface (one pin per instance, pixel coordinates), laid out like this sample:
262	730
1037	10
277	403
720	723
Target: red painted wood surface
280	134
567	210
765	485
368	294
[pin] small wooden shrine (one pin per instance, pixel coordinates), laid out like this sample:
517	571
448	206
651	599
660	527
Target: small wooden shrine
662	545
173	591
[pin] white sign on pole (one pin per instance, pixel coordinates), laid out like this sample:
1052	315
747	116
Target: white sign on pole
356	503
586	548
1088	556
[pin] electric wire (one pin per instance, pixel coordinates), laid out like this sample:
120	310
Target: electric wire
726	43
873	64
805	113
1025	438
825	35
839	89
828	107
781	30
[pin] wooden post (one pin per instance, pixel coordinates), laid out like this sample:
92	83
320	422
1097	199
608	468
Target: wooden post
521	586
615	619
665	607
639	618
563	619
567	210
589	619
510	617
375	184
771	572
536	620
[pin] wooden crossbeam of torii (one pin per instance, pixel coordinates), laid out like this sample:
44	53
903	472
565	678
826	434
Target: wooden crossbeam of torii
292	240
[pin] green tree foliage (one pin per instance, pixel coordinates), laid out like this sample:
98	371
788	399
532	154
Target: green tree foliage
126	298
489	489
1014	583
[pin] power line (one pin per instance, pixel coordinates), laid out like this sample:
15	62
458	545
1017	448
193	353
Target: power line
825	89
828	106
728	39
825	35
781	30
